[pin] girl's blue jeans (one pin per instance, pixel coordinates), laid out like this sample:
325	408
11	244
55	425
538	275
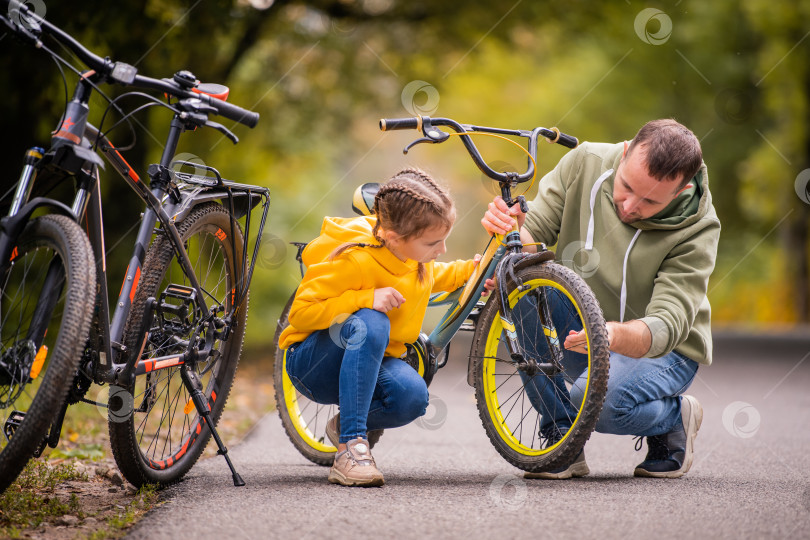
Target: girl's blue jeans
642	396
346	365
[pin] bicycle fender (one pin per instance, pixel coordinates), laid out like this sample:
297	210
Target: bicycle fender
12	226
189	201
534	258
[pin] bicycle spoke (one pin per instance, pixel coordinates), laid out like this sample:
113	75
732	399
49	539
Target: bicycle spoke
165	428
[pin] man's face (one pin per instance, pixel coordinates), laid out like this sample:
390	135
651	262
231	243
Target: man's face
636	194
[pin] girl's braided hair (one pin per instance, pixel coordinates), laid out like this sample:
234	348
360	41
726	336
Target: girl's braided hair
408	204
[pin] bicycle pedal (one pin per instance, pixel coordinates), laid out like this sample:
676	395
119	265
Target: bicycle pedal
181	292
177	308
14	421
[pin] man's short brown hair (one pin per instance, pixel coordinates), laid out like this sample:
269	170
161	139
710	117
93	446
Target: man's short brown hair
672	150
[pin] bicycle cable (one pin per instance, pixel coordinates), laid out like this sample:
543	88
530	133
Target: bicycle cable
155	102
65	86
93	85
534	162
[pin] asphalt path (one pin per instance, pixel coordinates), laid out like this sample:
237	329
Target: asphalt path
444	479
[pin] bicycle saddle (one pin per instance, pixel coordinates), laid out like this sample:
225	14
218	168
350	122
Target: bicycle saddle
363	198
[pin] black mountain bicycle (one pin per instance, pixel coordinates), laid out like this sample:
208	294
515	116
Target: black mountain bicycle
537	400
170	350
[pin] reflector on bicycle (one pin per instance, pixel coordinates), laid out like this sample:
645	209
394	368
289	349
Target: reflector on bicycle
39	360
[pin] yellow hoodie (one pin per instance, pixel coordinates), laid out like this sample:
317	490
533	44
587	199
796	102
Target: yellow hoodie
332	290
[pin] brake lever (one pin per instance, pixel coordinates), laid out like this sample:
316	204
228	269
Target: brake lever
222	129
432	135
417	141
27	33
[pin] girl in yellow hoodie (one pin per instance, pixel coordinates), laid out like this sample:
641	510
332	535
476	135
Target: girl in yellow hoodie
363	297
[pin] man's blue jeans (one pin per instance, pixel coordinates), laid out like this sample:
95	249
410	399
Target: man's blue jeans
345	365
643	393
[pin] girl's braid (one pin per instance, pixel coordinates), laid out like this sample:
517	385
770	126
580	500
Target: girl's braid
397	188
424	177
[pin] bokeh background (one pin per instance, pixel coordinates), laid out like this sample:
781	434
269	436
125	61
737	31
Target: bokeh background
322	72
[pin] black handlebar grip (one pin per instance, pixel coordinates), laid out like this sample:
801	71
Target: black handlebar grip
235	113
569	141
390	124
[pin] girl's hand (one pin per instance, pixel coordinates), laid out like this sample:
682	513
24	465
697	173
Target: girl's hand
488	284
386	299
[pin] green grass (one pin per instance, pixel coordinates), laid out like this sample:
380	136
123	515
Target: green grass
30	499
84	452
116	525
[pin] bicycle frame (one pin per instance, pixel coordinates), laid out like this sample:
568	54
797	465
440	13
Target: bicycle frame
501	254
465	299
164	204
73	154
124	366
506	249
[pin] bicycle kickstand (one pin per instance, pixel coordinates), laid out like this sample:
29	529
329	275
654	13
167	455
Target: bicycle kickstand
192	383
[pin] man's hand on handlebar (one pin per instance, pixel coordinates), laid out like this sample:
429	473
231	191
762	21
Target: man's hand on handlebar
499	218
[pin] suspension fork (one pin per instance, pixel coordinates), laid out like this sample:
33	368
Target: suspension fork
48	298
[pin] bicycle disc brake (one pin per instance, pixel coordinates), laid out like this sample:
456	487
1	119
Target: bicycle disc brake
15	370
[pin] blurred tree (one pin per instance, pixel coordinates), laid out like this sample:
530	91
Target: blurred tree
322	71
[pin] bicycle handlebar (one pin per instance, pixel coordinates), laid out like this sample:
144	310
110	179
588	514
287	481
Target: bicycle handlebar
119	72
391	124
426	125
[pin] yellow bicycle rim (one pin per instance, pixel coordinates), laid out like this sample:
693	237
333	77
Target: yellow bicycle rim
490	384
291	402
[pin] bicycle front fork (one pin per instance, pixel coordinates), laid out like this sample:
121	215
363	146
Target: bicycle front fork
526	362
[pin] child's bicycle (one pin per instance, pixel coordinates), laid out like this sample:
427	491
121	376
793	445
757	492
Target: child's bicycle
170	350
516	361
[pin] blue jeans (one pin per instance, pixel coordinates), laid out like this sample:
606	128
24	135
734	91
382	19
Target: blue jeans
643	393
346	365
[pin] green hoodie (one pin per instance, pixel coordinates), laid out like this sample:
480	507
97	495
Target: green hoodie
656	270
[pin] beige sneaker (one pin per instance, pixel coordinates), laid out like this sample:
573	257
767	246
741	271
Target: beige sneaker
577	469
333	432
355	466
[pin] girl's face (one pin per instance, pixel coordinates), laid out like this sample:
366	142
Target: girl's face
422	248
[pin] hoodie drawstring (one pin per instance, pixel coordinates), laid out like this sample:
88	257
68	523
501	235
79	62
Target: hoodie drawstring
623	299
589	241
594	192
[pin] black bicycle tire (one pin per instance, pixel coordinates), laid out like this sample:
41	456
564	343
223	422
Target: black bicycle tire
312	454
594	322
123	437
68	240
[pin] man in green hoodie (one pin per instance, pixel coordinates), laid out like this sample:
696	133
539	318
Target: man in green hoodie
637	223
